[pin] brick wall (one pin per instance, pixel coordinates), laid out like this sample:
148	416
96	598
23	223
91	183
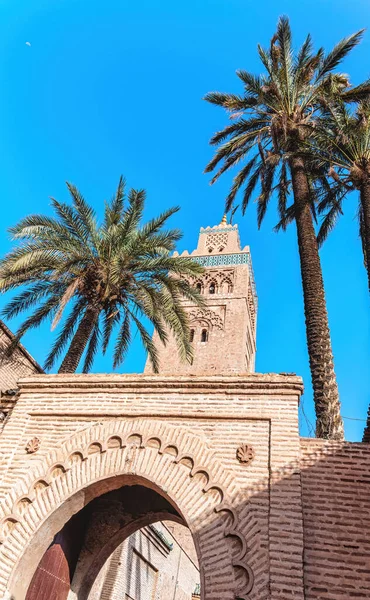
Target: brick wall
336	515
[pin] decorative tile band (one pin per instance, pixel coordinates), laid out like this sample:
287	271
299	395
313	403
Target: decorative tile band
216	260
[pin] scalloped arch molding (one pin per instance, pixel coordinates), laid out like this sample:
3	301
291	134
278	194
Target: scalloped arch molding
173	459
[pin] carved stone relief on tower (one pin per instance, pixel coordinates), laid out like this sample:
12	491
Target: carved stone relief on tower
216	242
251	307
206	316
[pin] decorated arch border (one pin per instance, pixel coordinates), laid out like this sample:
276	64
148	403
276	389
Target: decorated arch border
207	316
45	488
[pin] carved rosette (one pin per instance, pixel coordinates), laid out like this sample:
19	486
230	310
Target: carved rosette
245	454
33	445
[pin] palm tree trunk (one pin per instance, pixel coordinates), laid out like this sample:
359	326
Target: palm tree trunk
329	423
79	340
365	204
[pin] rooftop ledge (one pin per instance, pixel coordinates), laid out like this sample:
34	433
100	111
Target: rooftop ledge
285	383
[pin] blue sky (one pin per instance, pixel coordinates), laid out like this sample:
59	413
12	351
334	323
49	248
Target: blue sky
116	87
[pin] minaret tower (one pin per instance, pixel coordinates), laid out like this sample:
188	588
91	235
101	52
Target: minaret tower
224	331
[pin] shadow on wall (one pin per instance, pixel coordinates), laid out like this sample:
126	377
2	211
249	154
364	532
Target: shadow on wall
328	493
336	510
334	481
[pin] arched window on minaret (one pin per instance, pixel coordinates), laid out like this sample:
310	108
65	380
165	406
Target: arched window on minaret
204	335
212	288
227	286
199	287
191	337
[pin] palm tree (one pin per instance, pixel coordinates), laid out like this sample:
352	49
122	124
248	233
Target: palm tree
343	143
271	124
108	276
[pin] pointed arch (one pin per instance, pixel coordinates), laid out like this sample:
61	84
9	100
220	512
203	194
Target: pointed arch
198	487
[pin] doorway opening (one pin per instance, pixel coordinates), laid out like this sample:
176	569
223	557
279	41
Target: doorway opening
129	543
157	561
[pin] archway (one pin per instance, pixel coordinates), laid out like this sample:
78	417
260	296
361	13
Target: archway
87	541
100	459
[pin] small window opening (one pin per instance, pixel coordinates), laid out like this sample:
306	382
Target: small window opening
191	335
199	287
221	248
210	249
204	336
212	288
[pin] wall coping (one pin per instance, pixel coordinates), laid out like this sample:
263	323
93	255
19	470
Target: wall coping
269	383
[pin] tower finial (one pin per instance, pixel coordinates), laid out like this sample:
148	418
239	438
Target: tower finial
224	220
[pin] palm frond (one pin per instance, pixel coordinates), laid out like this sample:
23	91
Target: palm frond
66	297
123	341
267	179
231	102
328	223
69	219
250	187
112	316
358	93
44	312
153	226
147	343
28	298
339	52
284	39
265	59
304	54
84	213
33	226
239	127
253	84
228	163
287	218
239	180
114	210
133	214
66	333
